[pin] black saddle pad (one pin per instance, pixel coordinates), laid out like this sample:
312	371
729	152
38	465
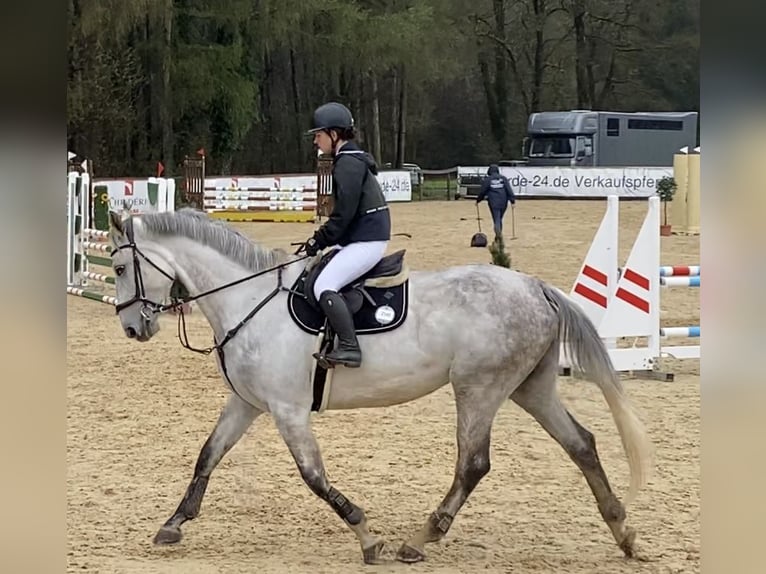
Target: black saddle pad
387	313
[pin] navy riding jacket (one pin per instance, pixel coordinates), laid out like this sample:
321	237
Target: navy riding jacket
496	189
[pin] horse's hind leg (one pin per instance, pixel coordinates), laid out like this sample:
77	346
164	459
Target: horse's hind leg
537	395
477	405
236	417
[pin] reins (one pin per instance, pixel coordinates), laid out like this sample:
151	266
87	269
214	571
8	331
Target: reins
177	303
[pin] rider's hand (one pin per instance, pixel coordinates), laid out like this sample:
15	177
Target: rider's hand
311	246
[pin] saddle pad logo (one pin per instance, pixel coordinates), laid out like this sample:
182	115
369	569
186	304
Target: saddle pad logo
384	315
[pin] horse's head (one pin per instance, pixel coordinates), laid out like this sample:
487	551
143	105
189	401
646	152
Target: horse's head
143	278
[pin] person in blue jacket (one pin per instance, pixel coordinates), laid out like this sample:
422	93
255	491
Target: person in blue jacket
496	189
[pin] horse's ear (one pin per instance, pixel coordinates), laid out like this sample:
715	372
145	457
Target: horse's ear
116	222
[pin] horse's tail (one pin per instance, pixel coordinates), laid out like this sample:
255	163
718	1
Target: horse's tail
588	355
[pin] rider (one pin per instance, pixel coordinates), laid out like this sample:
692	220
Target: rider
359	225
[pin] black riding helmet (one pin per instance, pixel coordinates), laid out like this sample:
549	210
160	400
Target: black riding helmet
331	116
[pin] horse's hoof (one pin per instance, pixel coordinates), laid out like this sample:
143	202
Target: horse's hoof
628	543
167	535
410	554
372	553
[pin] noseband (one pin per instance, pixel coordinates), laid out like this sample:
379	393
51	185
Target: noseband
148	307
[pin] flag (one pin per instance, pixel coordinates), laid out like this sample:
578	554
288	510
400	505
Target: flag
160	168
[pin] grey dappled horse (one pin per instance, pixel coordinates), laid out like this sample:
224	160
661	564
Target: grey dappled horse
491	332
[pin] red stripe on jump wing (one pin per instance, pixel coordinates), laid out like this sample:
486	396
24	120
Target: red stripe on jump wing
632	299
595	274
636	278
590	295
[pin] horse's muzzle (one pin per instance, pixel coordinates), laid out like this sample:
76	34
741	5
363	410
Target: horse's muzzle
143	331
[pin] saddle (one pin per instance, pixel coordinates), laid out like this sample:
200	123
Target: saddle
377	300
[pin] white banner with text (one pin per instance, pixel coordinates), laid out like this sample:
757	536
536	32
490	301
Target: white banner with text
579	181
396	185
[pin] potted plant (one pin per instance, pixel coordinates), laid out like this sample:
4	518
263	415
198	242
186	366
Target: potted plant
666	188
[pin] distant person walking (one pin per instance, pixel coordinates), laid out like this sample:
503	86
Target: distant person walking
497	190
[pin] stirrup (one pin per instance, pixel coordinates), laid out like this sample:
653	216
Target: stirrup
322	360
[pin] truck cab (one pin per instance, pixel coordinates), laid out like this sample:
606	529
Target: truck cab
585	138
561	138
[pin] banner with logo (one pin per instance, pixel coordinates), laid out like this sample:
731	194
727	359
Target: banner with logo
574	181
139	195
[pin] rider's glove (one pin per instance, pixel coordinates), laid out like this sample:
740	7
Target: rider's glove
312	247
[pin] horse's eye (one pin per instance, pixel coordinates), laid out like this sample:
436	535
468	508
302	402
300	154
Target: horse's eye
119	270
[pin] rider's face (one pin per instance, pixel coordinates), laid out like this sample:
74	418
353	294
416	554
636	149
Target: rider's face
323	141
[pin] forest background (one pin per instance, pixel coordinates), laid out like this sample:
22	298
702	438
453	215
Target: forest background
434	82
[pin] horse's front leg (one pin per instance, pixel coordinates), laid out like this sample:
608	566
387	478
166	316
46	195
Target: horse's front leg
236	417
294	426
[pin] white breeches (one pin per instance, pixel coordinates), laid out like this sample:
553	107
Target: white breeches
352	261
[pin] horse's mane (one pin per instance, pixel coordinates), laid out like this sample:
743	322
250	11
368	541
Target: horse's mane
200	227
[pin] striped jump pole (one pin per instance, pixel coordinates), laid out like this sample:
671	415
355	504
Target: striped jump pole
691	332
693	281
96	233
95	246
98	277
108	299
680	271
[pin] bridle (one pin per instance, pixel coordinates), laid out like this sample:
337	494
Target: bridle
150	308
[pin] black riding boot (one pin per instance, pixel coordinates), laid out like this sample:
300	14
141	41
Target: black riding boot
347	352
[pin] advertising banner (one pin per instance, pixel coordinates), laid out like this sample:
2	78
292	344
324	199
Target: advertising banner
574	181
